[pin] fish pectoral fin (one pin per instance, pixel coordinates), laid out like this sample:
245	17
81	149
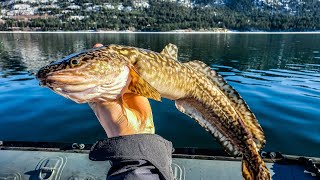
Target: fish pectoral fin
141	87
259	173
138	110
236	100
171	51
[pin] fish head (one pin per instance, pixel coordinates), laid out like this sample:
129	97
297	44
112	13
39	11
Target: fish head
88	76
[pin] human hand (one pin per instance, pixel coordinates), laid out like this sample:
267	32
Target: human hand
131	114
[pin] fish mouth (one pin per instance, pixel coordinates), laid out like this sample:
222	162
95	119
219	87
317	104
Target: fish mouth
66	82
67	79
75	88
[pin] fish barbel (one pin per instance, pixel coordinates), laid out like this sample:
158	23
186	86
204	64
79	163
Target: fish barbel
107	73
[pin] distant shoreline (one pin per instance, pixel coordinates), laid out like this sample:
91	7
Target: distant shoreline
157	32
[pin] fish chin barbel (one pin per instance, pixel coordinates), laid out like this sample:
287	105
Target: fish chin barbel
106	73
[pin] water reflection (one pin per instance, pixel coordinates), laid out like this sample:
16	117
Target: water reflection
278	76
242	52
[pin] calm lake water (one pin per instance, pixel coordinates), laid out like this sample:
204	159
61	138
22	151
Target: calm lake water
277	74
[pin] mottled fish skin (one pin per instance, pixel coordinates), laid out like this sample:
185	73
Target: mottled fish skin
175	81
236	100
161	72
195	94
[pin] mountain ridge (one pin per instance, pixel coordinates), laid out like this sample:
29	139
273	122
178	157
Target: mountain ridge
161	15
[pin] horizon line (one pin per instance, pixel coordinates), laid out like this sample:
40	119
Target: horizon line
157	32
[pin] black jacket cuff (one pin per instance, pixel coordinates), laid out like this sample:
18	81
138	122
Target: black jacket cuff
150	147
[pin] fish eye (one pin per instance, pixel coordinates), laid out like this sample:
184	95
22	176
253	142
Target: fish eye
74	62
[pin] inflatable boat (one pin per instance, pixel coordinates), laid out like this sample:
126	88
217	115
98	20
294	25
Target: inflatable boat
53	161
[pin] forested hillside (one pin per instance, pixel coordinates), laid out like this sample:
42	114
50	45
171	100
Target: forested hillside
143	15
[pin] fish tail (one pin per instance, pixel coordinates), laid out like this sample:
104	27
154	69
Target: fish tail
247	172
254	169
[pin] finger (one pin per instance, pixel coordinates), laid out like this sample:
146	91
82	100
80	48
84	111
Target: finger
131	114
97	45
110	115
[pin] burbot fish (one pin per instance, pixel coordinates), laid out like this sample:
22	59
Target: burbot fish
106	73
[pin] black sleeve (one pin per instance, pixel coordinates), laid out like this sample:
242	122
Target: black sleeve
140	156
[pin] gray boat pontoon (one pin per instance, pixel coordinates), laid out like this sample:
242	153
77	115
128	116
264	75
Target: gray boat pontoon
53	161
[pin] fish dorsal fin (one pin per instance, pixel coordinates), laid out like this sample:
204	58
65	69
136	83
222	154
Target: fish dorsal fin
171	51
236	100
141	87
